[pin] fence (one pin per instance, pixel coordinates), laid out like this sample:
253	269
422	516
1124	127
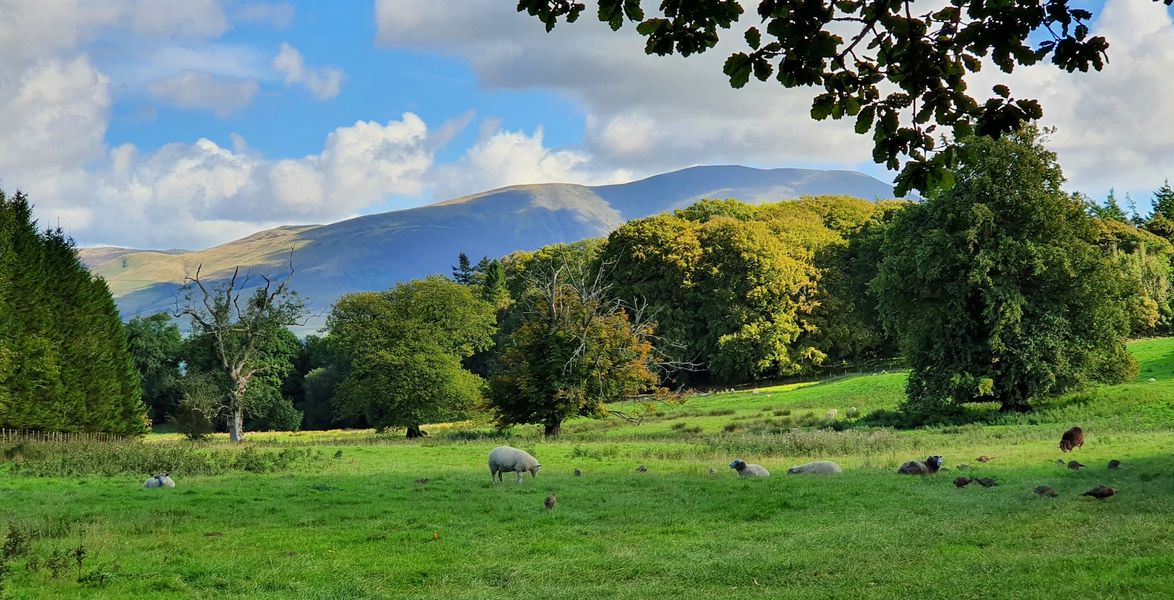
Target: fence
56	437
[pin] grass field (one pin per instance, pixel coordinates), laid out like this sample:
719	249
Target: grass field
350	520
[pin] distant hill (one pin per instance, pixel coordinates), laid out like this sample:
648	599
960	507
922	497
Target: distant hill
374	252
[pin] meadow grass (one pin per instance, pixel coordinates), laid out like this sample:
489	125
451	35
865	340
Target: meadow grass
355	519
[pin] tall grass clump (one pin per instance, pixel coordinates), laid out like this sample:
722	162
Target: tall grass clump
134	457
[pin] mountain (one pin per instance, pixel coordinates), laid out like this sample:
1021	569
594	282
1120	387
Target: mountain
374	252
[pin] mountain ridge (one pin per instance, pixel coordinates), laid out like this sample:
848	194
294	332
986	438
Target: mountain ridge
373	252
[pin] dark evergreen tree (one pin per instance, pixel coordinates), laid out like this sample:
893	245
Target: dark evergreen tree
64	360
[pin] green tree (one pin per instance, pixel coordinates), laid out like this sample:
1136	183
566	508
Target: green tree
1161	219
242	337
575	350
996	288
312	395
156	344
64	361
402	351
1110	211
462	272
900	74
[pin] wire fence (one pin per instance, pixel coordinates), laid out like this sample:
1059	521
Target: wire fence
56	437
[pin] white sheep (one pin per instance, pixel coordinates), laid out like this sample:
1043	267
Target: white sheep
505	458
745	469
832	414
818	467
162	480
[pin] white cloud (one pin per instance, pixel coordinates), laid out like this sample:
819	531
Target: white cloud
52	117
279	15
653	113
511	158
323	82
192	195
199	90
642	112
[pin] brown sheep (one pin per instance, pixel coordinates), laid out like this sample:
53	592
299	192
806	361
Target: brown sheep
961	481
1100	492
1072	439
1044	490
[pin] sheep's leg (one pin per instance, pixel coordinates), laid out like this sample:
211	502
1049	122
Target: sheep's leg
521	476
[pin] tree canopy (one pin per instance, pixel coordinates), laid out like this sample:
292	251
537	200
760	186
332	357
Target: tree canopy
402	350
64	361
996	287
900	74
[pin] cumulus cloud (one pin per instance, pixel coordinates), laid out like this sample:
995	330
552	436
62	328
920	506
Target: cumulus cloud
1112	129
182	194
199	90
513	157
52	116
647	113
654	113
323	82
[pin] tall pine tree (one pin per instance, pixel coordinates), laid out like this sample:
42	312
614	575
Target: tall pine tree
64	362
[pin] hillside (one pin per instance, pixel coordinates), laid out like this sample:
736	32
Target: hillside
373	252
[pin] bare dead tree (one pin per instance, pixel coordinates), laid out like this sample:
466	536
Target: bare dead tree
237	325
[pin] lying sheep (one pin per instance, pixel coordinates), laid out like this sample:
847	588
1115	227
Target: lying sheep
818	467
748	470
917	467
505	458
832	414
162	480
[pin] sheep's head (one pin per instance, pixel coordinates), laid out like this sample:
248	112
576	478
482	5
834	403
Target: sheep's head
738	464
934	462
534	470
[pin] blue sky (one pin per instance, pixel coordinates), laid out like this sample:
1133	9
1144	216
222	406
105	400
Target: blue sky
184	123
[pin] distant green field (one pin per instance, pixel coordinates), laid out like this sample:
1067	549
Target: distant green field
352	521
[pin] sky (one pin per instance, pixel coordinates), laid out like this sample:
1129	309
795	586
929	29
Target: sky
190	123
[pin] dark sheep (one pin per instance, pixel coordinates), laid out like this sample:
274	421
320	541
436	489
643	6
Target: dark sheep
1101	492
916	467
1044	490
1072	439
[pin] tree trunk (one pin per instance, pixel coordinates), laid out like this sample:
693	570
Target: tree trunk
236	425
414	432
552	429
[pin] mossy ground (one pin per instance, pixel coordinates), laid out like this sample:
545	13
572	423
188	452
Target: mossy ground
359	525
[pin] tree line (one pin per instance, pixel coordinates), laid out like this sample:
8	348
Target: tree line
1002	289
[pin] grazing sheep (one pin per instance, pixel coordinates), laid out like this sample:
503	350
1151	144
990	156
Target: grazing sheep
818	467
1075	466
578	473
162	480
642	469
1044	490
550	502
745	469
961	482
853	412
832	414
1114	465
917	467
1100	492
505	458
985	459
986	482
1072	439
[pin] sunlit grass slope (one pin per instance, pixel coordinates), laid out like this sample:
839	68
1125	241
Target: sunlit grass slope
362	522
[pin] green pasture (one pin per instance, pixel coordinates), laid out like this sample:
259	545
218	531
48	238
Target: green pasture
356	518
